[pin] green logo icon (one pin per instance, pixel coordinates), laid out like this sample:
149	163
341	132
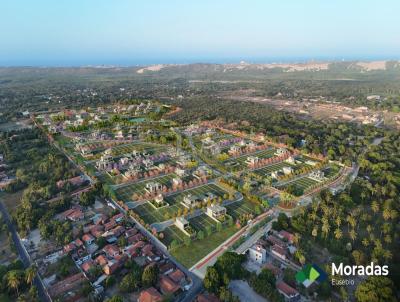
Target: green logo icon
309	274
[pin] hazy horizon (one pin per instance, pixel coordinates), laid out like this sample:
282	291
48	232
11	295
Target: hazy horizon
129	33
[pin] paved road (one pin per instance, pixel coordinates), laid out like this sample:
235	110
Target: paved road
23	254
253	238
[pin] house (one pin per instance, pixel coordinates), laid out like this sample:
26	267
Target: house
150	295
206	297
97	230
216	211
279	252
181	223
118	218
290	294
109	225
234	150
178	277
167	286
288	236
166	268
176	181
74	214
180	172
287	170
118	231
159	199
252	160
88	239
111	250
258	253
131	232
281	151
87	265
189	200
317	175
111	267
101	260
153	187
276	241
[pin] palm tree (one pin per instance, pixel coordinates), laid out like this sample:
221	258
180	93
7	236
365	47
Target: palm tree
375	206
13	280
338	233
365	242
325	228
30	274
353	234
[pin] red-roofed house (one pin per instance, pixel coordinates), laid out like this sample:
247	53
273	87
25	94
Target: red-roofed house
97	230
279	252
86	266
150	295
147	250
290	294
207	298
111	267
118	218
167	286
178	277
109	225
111	250
130	232
88	239
69	247
118	231
101	260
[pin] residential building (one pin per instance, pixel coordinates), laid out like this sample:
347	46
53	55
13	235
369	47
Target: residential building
258	253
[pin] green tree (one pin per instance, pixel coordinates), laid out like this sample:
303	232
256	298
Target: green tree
376	289
150	275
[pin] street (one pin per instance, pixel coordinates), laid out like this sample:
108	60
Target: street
43	296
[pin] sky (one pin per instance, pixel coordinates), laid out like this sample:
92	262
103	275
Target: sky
141	32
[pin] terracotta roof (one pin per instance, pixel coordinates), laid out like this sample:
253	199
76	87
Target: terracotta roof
279	250
207	298
167	286
177	276
101	260
111	249
87	237
86	266
286	289
166	267
150	295
288	236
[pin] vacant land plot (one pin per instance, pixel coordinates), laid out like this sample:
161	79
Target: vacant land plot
173	233
240	208
126	149
198	249
202	222
303	183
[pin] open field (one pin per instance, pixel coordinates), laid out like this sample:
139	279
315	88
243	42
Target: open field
266	170
303	183
240	208
173	233
190	255
202	222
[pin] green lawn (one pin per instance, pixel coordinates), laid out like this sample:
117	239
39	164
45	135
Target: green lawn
190	255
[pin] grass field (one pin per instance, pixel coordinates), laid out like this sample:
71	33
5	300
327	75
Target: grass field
198	249
303	183
173	233
240	208
201	222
